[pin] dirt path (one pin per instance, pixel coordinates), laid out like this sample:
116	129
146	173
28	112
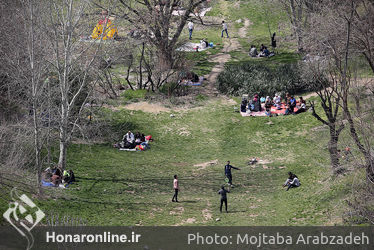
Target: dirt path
229	44
243	30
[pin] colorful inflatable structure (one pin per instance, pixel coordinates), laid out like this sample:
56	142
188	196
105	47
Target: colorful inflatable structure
109	32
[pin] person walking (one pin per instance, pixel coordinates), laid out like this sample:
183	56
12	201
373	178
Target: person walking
176	189
190	28
223	192
224	29
228	168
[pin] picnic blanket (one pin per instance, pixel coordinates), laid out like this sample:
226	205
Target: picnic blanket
50	184
128	149
274	110
181	12
191	83
190	47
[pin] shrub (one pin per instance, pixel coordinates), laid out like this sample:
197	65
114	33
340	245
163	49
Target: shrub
250	78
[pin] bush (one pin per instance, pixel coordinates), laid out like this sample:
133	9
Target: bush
250	78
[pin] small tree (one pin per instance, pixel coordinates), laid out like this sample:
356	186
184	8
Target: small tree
326	89
162	29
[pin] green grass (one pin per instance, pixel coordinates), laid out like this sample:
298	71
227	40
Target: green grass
127	188
134	95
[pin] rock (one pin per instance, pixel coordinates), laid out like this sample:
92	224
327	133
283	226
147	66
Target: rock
238	21
218	219
172	115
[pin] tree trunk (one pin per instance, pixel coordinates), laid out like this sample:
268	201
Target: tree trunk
63	135
62	156
334	153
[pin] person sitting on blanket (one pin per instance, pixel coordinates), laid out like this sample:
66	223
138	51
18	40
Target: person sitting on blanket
128	140
292	181
262	47
288	109
243	106
56	180
253	51
255	105
264	53
138	138
268	105
292	103
68	177
302	106
277	102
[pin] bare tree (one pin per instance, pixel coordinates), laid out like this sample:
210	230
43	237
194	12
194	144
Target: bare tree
37	72
330	103
296	13
72	62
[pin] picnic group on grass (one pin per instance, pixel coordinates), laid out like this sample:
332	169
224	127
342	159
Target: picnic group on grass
290	106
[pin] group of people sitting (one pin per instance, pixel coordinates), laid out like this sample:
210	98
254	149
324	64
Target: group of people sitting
292	181
290	103
264	51
55	177
138	141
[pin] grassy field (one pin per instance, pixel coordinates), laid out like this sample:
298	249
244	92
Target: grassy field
135	188
128	188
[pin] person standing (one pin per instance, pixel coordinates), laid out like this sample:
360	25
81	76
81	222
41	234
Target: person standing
190	28
176	189
224	29
273	42
223	192
228	168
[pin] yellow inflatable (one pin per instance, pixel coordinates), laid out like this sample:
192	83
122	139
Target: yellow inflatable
110	31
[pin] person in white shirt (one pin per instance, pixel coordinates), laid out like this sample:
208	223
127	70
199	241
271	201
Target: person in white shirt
253	51
302	107
277	102
224	29
190	28
129	137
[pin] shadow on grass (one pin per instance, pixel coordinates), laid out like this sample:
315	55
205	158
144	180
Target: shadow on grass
234	211
157	184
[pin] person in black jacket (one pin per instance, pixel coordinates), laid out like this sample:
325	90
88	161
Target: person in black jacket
228	168
223	193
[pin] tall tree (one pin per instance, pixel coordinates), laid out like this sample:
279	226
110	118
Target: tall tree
72	63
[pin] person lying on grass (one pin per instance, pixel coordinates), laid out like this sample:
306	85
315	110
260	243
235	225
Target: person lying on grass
292	181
